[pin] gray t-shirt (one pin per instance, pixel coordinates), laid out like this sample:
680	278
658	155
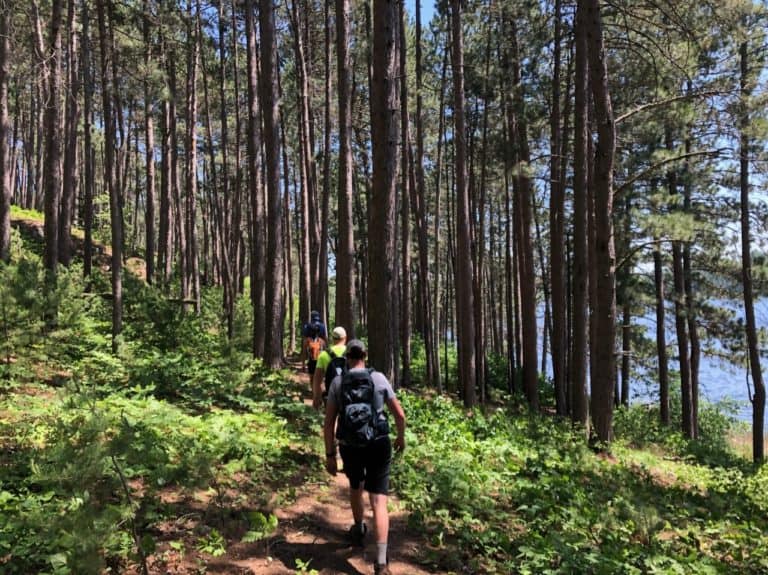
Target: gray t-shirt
382	389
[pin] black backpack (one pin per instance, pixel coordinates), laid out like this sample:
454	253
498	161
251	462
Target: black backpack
358	417
337	366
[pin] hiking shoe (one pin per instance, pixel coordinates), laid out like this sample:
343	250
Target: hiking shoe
381	569
357	536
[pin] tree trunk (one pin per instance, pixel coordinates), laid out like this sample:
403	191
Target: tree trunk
87	142
53	144
149	145
382	288
524	219
661	335
758	401
192	257
605	257
345	251
681	323
179	219
256	192
481	247
405	207
421	221
165	231
464	268
306	147
273	342
557	232
109	161
579	335
437	223
5	180
695	345
70	177
325	201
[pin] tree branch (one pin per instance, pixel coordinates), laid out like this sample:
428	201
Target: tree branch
623	187
661	103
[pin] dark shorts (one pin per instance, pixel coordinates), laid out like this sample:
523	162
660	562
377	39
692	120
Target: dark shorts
311	365
368	465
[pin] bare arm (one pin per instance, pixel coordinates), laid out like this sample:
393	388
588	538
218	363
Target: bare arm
397	411
317	388
328	429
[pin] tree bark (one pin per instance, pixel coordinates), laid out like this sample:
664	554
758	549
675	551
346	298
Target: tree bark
557	231
345	251
425	295
464	269
102	6
579	335
70	176
87	142
382	288
5	180
53	145
758	401
308	169
256	191
270	98
661	335
149	145
405	209
605	257
192	257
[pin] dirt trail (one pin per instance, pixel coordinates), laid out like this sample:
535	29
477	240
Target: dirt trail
314	530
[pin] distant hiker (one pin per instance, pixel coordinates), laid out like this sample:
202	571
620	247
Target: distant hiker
313	341
357	399
332	357
314	325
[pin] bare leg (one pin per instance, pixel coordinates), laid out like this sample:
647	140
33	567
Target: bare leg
380	516
356	502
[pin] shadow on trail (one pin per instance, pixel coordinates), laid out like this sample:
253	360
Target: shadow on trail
324	557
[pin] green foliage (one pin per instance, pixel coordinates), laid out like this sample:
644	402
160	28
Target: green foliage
525	495
124	443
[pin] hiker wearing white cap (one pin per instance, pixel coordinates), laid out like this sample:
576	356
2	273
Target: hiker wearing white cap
332	354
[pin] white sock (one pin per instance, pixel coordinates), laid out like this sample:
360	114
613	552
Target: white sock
382	553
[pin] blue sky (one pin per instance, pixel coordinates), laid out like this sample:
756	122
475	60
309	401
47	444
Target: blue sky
427	10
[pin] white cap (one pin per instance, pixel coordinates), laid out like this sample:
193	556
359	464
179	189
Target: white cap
339	333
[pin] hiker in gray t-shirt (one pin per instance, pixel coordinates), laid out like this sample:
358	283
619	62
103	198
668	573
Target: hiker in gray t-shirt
357	399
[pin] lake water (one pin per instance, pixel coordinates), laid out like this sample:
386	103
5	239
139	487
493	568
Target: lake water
718	380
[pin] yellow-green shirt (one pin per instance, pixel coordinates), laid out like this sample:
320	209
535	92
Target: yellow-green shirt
324	359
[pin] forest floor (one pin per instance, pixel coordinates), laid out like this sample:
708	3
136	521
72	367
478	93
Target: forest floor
311	536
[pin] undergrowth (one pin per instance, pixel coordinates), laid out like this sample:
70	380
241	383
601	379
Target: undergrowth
183	445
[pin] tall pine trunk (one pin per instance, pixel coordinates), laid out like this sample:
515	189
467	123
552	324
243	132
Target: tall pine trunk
345	252
5	180
758	401
557	232
53	145
382	288
70	176
255	189
425	296
149	149
273	341
109	165
465	306
579	315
